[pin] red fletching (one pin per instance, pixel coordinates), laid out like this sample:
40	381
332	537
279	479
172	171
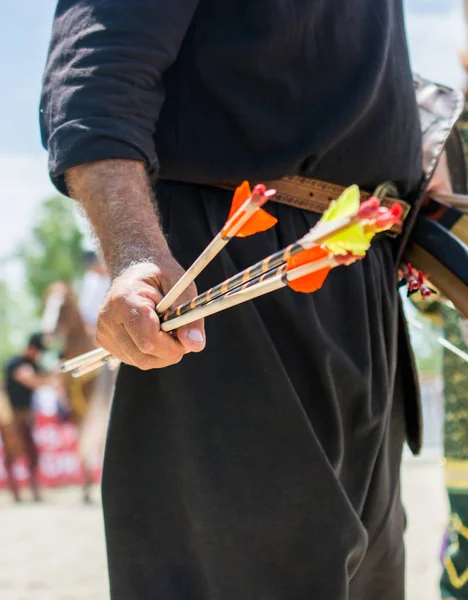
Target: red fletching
387	217
258	194
397	210
426	292
313	281
348	259
368	209
421	278
415	281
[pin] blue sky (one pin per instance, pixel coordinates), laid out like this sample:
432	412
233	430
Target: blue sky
23	46
436	33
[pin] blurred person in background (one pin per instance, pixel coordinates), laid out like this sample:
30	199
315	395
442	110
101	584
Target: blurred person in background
94	286
22	376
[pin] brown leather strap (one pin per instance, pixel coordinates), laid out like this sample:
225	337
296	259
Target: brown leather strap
312	194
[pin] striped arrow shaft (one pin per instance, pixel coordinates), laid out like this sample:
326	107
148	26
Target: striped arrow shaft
263	284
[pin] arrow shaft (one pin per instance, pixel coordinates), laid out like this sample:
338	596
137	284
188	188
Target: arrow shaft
319	234
460	201
232	226
263	266
84	359
261	285
89	368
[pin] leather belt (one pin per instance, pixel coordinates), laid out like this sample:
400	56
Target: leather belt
313	195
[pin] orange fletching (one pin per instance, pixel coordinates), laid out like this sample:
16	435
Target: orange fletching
314	281
241	194
259	221
310	283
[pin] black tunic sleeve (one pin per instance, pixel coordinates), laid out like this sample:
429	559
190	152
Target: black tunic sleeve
102	90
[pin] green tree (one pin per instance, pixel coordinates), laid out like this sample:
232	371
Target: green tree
6	343
16	321
55	249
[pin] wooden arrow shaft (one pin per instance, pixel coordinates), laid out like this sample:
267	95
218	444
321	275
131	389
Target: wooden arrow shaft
263	284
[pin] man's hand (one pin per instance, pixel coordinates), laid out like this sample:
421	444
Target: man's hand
129	326
116	196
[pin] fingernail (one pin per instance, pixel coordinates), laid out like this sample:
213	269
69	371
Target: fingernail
195	335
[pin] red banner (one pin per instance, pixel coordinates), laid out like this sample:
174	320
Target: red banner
59	462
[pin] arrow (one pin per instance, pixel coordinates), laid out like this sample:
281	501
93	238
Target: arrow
246	218
304	272
264	284
343	213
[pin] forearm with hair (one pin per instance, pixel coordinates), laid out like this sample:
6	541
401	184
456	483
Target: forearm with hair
117	198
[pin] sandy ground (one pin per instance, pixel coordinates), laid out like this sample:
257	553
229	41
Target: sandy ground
55	551
52	551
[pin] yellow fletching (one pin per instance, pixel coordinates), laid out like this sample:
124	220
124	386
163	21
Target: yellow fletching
344	206
354	239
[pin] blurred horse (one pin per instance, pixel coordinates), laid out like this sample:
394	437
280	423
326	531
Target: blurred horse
89	396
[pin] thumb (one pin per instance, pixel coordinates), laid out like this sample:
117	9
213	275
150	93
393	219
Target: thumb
192	336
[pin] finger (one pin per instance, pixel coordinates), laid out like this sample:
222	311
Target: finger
122	346
142	325
105	337
150	292
141	360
